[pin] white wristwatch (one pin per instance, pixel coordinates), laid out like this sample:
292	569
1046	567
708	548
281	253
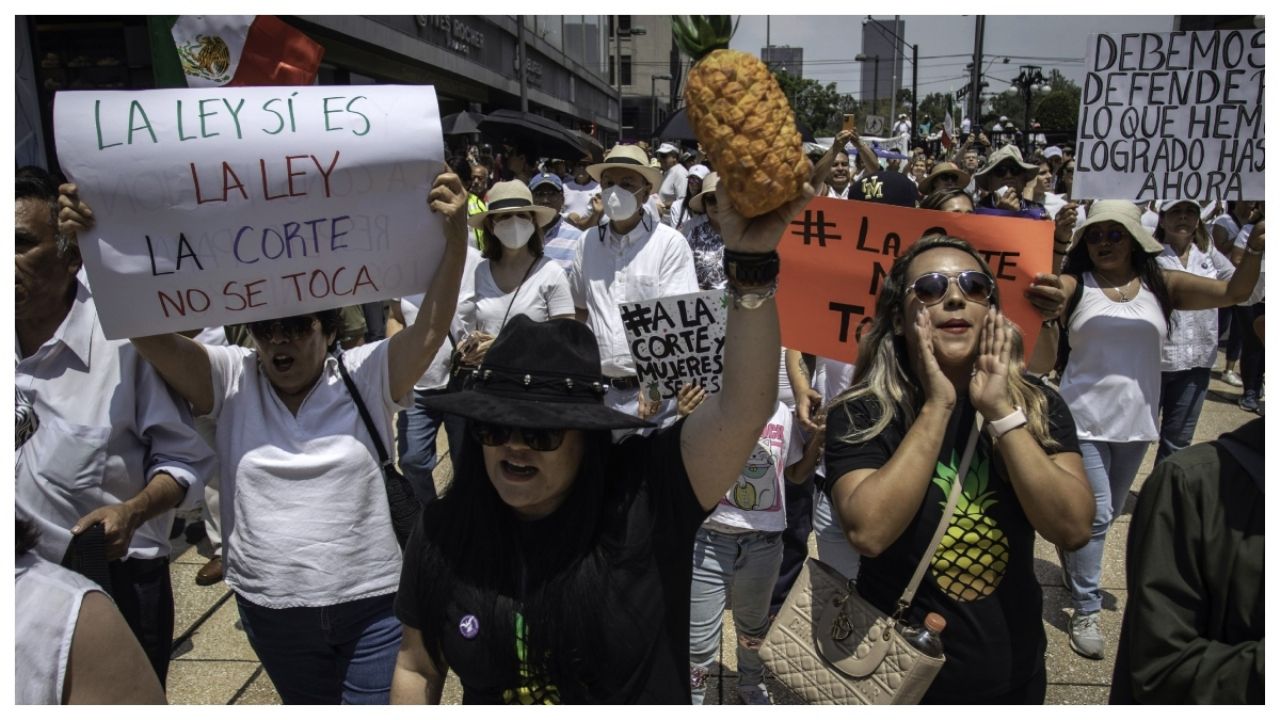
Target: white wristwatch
1015	419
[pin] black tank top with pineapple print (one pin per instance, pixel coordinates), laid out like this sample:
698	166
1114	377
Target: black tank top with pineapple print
981	578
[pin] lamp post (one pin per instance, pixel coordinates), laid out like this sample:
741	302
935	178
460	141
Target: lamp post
1029	81
653	109
875	80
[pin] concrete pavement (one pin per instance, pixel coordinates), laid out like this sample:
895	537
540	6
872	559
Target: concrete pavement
213	663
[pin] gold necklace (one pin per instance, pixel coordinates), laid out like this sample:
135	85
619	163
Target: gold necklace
1118	288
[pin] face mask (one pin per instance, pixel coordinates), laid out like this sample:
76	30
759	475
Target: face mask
513	232
619	204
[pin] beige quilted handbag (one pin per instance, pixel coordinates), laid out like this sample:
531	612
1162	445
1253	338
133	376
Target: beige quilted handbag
831	647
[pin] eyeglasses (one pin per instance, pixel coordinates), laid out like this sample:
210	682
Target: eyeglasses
1112	236
1005	170
290	328
536	438
975	285
949	177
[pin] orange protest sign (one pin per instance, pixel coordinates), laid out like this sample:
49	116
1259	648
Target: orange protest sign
836	254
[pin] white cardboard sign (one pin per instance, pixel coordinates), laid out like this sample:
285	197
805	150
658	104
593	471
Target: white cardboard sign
1172	115
228	205
677	340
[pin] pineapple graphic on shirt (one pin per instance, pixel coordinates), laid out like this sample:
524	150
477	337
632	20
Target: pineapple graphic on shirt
973	555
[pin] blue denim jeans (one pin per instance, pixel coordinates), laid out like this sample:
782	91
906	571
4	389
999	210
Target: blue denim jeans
1181	397
416	430
344	653
833	546
740	568
1111	468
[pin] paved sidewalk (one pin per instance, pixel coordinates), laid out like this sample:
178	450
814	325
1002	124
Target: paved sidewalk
213	663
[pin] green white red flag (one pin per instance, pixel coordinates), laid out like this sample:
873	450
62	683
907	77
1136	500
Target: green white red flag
231	50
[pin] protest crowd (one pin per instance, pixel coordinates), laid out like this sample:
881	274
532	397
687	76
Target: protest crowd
592	534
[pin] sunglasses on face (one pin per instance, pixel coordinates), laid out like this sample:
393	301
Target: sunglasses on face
1005	171
1113	236
292	328
537	439
975	285
949	177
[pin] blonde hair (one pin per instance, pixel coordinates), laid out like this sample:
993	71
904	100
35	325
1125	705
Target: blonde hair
884	374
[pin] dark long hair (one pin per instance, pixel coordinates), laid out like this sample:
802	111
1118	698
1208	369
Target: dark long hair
1144	264
552	570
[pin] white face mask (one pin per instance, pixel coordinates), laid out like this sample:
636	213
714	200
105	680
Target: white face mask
513	232
619	203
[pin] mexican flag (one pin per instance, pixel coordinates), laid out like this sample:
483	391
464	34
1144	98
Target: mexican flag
217	50
948	131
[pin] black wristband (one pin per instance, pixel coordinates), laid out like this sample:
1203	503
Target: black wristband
750	269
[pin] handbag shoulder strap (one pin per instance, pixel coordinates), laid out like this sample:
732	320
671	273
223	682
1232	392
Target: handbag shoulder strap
383	460
952	498
527	272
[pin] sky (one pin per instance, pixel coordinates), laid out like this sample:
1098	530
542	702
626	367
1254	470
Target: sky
830	43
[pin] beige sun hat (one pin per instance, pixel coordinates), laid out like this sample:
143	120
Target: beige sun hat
984	181
942	168
630	157
708	188
1122	212
507	198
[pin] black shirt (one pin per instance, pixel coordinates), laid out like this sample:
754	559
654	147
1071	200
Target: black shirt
981	579
642	640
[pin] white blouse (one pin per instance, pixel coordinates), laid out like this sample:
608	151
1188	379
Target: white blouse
1193	335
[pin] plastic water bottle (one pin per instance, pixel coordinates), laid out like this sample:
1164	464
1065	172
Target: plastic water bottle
927	637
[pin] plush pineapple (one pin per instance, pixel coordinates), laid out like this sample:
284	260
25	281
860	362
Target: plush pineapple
741	117
973	554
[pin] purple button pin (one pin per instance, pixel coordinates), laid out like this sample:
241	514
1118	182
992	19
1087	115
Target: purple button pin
469	626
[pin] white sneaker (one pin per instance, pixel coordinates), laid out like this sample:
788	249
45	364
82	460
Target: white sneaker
754	694
1232	378
1086	635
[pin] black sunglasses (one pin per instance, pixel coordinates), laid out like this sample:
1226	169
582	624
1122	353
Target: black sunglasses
1005	170
975	285
1112	236
537	439
949	177
290	328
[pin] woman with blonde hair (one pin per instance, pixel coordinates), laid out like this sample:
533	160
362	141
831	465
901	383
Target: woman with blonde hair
938	352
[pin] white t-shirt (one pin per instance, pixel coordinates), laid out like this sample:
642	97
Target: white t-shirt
1260	288
1193	334
437	374
577	198
544	295
675	183
757	502
1112	378
305	520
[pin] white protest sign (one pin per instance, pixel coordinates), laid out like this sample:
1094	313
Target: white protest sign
1172	115
677	340
229	205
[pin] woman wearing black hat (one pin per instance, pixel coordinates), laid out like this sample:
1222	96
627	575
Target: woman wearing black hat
556	567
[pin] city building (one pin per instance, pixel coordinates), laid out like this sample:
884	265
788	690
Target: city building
880	77
652	73
784	58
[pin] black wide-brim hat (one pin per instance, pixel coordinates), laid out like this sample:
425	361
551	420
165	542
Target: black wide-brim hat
538	375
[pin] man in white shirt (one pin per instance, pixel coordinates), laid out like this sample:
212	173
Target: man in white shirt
113	447
675	179
560	240
581	199
632	258
902	126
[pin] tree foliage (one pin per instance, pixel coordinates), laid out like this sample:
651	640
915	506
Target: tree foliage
1056	110
817	106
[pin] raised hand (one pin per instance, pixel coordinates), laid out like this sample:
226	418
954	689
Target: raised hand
989	386
937	388
759	234
449	198
1046	294
73	214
